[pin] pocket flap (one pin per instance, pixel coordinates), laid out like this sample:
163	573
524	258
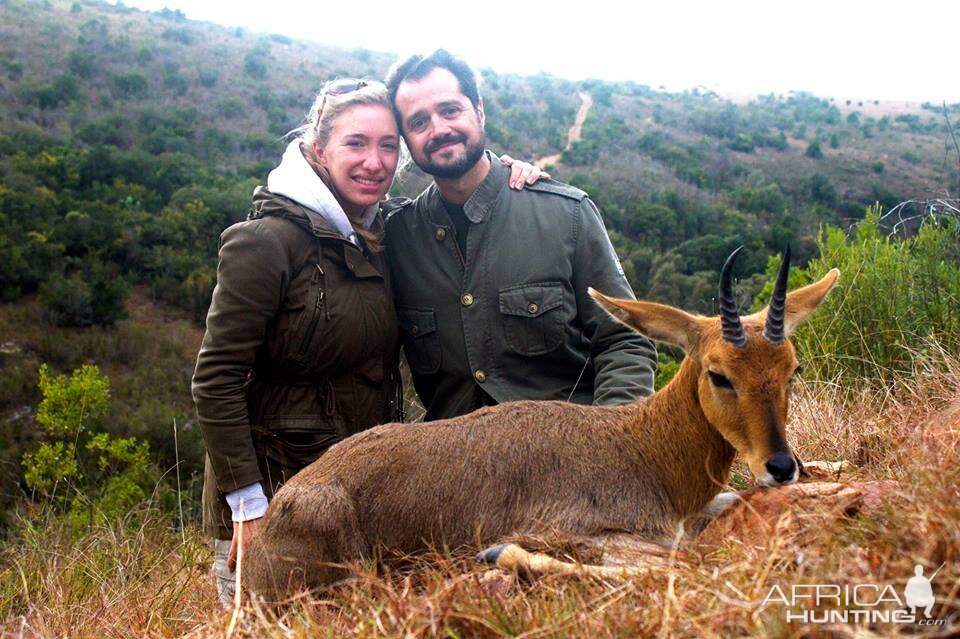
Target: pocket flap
531	300
417	322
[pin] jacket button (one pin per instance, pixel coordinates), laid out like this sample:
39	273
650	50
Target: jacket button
466	299
533	308
440	234
414	330
480	376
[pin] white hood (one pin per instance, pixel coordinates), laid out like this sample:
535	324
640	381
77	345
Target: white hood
297	180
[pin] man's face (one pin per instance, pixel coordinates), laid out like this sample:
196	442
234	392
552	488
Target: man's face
442	129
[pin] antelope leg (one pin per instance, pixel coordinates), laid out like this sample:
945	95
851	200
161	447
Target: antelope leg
623	556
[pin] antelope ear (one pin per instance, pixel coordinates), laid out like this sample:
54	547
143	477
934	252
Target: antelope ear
801	303
804	301
657	321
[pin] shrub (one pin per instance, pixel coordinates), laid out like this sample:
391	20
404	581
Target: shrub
130	85
813	150
743	143
63	89
254	65
911	158
231	107
820	189
97	297
895	302
178	34
82	63
86	473
177	84
208	77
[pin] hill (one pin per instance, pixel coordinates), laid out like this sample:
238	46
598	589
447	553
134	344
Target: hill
129	140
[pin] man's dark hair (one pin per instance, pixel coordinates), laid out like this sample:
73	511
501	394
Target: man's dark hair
418	66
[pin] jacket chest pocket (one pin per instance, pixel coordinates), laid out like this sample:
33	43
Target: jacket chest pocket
533	317
309	322
421	344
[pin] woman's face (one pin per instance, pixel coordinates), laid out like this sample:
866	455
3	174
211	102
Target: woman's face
361	155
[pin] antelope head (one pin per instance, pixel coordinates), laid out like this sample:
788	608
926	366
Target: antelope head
742	366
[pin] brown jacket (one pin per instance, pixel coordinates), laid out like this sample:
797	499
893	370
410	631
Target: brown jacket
300	351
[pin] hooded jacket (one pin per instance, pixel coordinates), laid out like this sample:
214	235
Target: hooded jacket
300	349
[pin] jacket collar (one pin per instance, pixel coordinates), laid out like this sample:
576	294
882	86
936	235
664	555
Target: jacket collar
266	202
481	202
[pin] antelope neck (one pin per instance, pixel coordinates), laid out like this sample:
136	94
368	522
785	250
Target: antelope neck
695	458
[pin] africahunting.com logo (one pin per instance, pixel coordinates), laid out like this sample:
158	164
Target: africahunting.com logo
860	603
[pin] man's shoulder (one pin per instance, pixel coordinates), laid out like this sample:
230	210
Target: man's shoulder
556	188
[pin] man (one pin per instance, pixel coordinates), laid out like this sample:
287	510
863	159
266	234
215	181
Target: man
491	283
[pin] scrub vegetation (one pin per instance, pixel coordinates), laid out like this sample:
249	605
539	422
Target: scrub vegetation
130	140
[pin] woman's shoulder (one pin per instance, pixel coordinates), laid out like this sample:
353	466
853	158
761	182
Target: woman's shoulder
269	238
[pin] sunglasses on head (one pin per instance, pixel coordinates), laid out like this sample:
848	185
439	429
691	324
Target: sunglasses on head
344	85
341	87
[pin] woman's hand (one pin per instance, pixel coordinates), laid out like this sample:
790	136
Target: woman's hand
250	530
522	173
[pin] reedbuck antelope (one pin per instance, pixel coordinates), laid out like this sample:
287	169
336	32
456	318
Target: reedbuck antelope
597	474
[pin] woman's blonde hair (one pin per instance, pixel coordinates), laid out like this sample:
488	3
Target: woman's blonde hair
335	98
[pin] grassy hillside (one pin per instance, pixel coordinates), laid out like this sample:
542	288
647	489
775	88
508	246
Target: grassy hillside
129	140
106	107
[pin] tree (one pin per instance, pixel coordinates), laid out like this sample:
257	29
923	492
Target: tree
254	65
78	467
130	85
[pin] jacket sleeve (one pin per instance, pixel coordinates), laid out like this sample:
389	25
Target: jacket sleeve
252	276
624	361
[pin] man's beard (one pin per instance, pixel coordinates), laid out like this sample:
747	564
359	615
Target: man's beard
471	155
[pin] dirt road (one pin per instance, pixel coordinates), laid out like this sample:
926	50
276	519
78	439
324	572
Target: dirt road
573	134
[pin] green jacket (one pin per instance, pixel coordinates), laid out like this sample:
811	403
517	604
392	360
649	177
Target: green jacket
300	351
512	317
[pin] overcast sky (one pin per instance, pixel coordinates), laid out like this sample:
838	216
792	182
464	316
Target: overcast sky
837	48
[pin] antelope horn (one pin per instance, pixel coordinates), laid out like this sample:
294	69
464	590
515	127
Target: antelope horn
729	318
773	329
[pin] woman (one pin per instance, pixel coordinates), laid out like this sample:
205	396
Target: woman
302	342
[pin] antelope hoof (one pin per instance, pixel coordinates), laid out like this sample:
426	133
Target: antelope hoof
491	554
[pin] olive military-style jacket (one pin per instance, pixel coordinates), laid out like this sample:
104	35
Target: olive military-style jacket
512	317
300	351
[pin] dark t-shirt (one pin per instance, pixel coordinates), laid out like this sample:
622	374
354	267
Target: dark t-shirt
461	225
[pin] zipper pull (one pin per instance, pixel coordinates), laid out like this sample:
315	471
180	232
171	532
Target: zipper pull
320	294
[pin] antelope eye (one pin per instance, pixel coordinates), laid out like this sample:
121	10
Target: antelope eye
719	380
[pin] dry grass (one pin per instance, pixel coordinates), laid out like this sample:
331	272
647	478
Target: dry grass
149	581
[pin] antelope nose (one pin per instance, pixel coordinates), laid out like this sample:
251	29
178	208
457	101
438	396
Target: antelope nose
782	467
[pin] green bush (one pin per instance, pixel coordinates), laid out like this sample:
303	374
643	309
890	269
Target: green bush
208	77
82	63
895	300
255	65
96	297
743	143
130	85
61	90
86	474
